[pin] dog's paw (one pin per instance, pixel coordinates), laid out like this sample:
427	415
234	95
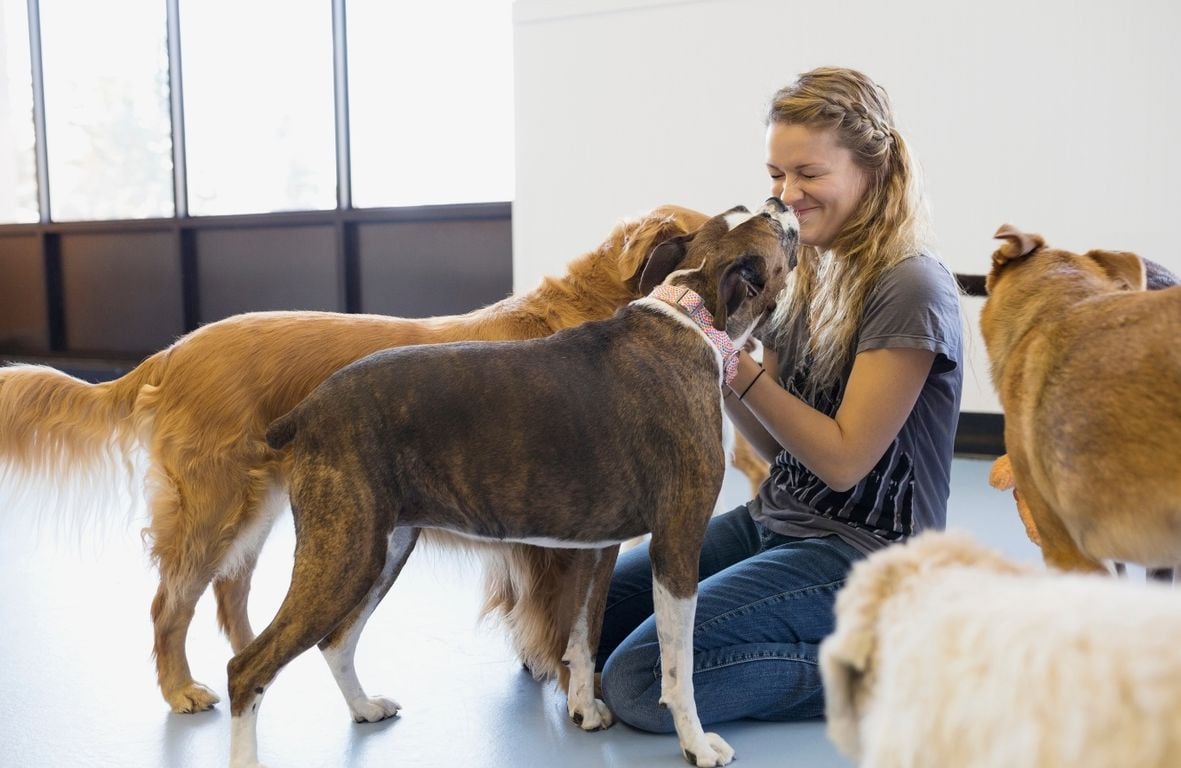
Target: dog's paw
593	718
192	698
710	751
371	710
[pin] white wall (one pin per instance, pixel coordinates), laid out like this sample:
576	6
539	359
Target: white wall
1060	117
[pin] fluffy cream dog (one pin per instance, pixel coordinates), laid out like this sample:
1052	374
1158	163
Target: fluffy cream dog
947	655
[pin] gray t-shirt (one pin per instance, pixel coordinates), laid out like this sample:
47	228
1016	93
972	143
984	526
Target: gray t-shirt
915	306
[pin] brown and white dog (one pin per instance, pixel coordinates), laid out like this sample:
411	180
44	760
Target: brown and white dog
1088	369
200	409
579	440
947	654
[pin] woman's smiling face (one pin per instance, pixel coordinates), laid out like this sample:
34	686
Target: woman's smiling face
816	176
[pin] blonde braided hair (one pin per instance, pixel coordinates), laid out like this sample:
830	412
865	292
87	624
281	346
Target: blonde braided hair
828	290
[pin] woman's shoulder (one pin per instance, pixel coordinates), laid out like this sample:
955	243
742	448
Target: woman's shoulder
916	298
922	278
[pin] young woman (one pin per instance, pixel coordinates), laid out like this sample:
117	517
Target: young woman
855	404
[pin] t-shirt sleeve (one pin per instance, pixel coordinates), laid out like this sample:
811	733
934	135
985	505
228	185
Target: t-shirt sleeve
915	306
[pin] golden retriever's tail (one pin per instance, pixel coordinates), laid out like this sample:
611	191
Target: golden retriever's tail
66	440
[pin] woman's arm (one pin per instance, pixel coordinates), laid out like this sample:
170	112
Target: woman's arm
748	424
882	390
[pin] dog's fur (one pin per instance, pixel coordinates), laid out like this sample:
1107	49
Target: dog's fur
1087	367
583	439
201	409
946	654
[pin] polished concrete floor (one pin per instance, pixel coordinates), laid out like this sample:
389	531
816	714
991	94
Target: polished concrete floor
77	683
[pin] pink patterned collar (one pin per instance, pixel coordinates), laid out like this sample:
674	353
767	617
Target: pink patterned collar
694	306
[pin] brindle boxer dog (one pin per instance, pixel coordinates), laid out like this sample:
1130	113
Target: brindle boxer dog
583	439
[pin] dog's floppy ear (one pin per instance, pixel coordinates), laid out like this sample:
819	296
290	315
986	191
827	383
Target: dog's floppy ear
662	261
731	292
1123	267
745	273
636	240
845	654
1016	245
841	681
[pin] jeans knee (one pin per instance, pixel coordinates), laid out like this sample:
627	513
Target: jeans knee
631	689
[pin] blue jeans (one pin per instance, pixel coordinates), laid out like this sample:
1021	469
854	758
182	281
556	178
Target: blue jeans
764	603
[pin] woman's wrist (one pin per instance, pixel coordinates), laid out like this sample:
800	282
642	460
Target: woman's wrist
749	371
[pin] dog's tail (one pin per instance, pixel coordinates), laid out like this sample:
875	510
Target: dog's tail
59	434
282	430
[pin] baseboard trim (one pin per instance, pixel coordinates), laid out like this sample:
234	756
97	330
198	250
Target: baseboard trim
980	435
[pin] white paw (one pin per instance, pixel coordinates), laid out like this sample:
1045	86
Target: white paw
373	709
592	718
709	752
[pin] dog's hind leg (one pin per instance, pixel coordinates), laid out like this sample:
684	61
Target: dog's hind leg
340	647
340	555
205	525
182	581
674	557
231	586
172	612
232	593
1059	549
592	574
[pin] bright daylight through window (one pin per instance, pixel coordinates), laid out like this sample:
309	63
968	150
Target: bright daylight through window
430	106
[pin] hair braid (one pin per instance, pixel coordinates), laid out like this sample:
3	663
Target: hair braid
828	290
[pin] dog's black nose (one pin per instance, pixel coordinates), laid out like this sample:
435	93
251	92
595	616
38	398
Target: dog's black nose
777	203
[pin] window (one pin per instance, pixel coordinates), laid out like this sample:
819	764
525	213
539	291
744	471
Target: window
430	101
108	133
18	173
429	107
258	105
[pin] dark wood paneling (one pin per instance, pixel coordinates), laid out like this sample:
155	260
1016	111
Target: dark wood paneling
122	292
24	322
248	270
420	269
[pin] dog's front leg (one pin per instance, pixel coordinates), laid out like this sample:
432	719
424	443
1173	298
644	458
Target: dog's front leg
592	574
674	628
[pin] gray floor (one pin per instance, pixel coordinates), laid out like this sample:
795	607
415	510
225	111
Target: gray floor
77	685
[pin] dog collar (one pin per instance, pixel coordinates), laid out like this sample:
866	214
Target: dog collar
694	306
